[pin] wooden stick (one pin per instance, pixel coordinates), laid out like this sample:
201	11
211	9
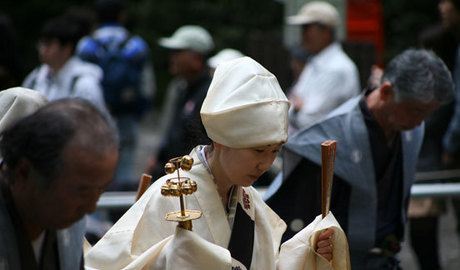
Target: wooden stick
328	149
144	184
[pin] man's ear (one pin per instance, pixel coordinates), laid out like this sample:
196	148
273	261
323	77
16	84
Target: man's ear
21	173
386	91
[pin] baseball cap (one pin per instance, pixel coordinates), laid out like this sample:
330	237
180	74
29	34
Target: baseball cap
316	12
191	37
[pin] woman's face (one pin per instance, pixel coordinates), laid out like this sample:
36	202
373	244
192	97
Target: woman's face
244	166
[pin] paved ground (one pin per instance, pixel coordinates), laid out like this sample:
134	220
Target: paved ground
450	247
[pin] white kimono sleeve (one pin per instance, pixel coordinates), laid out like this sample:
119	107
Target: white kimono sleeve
299	253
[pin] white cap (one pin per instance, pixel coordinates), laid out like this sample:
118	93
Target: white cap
190	37
223	56
17	103
316	12
245	106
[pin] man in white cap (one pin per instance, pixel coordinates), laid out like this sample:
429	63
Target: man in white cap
245	115
330	77
189	47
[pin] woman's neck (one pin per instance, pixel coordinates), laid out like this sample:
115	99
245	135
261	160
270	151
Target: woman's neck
222	182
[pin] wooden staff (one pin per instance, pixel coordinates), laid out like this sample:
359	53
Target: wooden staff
327	172
143	185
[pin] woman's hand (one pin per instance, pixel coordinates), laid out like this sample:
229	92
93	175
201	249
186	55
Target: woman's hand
324	244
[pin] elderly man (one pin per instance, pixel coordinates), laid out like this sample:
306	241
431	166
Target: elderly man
56	163
128	83
378	140
330	77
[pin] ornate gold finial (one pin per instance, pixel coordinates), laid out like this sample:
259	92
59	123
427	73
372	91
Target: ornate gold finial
178	187
170	168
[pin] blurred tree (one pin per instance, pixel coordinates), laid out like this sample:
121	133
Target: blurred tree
27	18
253	27
403	22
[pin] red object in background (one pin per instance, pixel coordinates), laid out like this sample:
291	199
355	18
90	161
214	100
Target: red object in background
365	24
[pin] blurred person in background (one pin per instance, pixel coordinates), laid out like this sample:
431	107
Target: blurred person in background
331	77
189	47
450	15
128	84
61	74
298	58
56	163
424	213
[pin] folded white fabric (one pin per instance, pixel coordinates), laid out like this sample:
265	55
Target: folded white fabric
299	251
18	102
183	250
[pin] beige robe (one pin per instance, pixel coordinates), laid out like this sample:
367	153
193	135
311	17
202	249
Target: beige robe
143	239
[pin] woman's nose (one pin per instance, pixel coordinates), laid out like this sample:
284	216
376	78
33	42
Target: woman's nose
266	162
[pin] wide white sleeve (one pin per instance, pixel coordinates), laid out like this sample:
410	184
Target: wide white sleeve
298	253
140	228
182	250
187	250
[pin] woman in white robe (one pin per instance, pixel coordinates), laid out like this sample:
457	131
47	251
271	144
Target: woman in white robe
245	115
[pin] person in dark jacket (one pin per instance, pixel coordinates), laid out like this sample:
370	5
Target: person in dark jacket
189	47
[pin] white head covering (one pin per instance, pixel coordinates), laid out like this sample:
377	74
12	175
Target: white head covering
17	103
245	106
316	12
190	37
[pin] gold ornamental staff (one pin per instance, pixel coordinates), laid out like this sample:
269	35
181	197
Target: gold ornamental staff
178	187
